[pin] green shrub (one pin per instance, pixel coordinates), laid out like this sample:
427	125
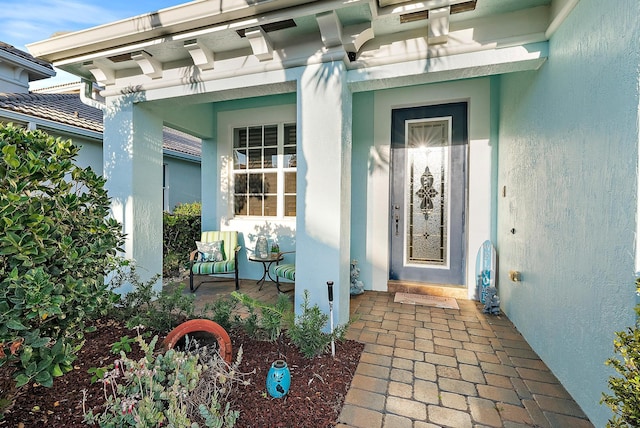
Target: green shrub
174	388
56	244
221	312
159	311
306	332
625	401
192	209
180	232
273	318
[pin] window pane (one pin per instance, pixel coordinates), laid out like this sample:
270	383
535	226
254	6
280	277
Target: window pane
255	205
255	158
255	136
255	184
240	206
271	183
290	205
290	134
271	157
271	205
240	137
240	185
239	159
290	157
289	182
271	135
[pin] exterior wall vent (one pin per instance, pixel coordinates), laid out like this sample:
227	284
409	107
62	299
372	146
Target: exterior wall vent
274	26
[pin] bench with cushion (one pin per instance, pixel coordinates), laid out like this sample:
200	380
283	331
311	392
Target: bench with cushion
217	254
284	271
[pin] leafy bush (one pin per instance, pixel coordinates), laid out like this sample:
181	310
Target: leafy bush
174	388
159	311
273	317
193	209
625	401
180	231
56	244
221	312
306	332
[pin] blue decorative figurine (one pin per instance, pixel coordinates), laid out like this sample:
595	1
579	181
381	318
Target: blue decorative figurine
278	379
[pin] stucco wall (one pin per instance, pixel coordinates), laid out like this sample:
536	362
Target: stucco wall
90	154
370	168
183	178
568	158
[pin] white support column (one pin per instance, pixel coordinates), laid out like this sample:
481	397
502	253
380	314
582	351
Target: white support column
324	190
132	157
210	170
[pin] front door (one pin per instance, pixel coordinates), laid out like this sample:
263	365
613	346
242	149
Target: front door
428	193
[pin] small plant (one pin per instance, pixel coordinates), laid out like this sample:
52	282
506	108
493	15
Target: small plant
221	312
176	388
273	317
625	401
98	373
124	344
307	330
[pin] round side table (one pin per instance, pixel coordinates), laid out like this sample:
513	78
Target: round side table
266	264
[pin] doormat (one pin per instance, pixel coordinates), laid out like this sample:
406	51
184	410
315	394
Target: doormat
426	300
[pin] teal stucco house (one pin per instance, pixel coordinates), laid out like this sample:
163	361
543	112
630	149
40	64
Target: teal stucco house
402	134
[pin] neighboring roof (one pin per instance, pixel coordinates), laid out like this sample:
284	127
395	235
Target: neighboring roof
68	109
62	108
35	68
24	55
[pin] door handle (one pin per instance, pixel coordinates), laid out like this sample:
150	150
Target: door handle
397	218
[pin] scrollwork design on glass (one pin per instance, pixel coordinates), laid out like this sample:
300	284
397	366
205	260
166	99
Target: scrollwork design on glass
426	193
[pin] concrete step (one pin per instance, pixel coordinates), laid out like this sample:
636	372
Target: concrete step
440	290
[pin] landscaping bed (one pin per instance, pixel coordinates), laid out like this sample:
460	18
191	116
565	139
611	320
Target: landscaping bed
316	396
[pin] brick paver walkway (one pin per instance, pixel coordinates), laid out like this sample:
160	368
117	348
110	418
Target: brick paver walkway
425	367
430	367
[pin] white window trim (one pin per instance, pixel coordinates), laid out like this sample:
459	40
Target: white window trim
227	122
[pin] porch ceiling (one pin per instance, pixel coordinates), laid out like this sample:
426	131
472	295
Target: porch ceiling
216	38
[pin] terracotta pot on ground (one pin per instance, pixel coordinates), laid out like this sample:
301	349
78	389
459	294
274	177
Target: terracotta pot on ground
208	326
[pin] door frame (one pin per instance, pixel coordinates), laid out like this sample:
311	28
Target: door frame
462	136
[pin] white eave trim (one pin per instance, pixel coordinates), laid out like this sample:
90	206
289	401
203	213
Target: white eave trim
30	66
454	67
178	19
182	156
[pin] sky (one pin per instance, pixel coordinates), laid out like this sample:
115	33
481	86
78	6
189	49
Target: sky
27	21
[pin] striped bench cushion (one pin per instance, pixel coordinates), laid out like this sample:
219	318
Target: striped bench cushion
207	268
287	271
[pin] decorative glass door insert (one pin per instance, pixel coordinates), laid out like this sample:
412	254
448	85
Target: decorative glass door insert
427	192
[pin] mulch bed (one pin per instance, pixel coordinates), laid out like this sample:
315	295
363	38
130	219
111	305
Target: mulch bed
316	396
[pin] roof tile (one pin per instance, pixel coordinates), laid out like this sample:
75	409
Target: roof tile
70	110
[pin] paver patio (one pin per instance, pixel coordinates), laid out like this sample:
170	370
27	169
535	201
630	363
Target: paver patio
426	367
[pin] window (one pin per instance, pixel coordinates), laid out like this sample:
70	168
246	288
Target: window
264	170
